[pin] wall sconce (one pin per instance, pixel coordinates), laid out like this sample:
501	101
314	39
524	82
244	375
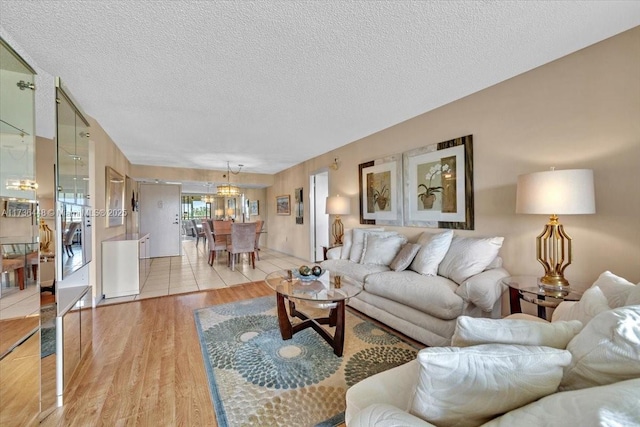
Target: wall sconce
568	192
334	166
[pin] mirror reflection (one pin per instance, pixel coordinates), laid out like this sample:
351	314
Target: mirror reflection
19	291
74	231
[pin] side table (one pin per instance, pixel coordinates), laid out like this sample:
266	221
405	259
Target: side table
528	289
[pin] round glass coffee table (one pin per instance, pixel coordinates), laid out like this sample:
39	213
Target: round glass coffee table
319	292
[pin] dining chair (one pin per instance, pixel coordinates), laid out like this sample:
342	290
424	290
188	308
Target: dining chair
197	231
259	225
214	245
222	230
68	237
243	241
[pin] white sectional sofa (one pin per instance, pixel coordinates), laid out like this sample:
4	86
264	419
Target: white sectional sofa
580	369
421	288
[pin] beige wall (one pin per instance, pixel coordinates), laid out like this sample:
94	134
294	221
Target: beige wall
581	111
106	153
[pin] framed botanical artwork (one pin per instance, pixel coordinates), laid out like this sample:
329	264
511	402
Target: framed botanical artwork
254	208
438	185
115	198
283	205
381	191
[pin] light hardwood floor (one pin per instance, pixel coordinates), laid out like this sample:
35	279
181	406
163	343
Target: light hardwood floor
145	367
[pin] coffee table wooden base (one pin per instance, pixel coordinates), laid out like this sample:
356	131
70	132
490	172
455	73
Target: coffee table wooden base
335	319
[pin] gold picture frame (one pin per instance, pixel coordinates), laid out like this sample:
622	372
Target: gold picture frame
438	185
381	191
283	205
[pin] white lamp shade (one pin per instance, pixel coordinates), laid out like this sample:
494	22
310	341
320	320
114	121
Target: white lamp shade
561	192
337	205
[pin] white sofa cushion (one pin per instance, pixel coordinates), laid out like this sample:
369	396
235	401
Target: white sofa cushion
432	295
355	271
404	258
473	331
382	415
434	247
347	241
357	244
468	386
381	249
394	387
592	303
634	296
615	288
610	405
468	256
484	289
607	350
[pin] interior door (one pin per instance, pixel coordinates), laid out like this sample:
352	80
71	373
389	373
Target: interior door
319	220
160	217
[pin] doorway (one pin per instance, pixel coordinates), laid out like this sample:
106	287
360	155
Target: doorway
318	219
160	217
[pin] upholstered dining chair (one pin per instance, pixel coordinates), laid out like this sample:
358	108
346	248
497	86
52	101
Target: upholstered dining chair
197	231
243	241
68	237
215	245
222	230
259	225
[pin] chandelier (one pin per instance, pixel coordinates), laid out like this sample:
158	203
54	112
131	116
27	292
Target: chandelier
229	190
24	184
208	198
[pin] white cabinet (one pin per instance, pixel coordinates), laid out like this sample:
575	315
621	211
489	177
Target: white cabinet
124	264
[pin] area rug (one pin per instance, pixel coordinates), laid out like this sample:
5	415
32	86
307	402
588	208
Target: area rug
257	379
47	330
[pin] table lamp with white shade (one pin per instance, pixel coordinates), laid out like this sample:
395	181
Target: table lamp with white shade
555	192
337	206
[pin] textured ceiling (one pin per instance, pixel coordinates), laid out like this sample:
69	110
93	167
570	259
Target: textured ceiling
270	84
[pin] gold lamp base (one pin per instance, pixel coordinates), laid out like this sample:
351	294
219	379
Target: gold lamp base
338	231
553	249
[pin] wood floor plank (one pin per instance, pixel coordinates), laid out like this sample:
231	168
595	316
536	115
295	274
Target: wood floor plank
145	366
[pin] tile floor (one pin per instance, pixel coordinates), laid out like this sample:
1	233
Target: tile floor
191	272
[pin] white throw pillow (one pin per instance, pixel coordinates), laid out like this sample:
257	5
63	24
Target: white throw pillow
610	405
592	303
434	248
615	288
404	258
468	256
607	350
473	331
357	242
468	386
634	296
381	249
347	240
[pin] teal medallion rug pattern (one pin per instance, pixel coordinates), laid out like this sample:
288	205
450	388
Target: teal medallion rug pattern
257	379
47	330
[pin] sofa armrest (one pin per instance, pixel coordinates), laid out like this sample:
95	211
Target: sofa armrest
561	308
483	289
382	415
393	387
334	253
